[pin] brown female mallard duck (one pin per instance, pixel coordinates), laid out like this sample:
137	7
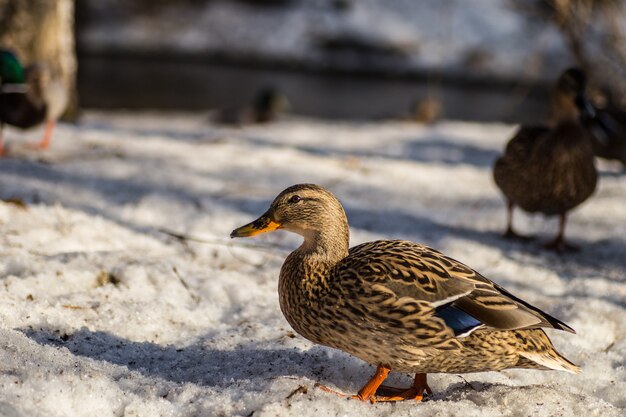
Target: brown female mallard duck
28	97
396	304
551	170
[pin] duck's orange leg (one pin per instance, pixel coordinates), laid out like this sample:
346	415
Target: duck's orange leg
559	244
416	392
387	394
47	137
369	390
510	233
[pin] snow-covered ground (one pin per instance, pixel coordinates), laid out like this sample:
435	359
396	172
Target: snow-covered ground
103	314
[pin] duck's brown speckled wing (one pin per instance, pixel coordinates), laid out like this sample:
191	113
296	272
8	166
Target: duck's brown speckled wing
514	172
402	280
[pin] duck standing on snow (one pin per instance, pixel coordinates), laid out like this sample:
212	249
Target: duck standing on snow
28	97
551	170
396	304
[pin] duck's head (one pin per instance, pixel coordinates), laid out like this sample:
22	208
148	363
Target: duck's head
570	98
306	209
11	70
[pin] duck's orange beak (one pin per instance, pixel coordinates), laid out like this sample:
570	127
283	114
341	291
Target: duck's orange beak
263	224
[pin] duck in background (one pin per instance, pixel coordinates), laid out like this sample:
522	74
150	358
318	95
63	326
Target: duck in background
550	169
268	104
427	111
29	96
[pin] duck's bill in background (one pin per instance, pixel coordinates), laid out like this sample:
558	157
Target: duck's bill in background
586	109
261	225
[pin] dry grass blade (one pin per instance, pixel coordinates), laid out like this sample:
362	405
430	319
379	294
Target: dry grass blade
268	247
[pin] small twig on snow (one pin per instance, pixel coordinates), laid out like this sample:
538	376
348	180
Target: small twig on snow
609	347
193	296
300	390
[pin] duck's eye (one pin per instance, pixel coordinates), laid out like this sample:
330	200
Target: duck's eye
295	198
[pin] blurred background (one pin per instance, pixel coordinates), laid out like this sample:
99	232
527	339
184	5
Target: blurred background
484	60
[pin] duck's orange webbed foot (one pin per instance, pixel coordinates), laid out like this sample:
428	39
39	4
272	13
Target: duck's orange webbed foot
45	142
369	390
416	392
374	392
559	245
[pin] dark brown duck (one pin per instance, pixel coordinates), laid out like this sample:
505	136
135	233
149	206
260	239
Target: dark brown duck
550	169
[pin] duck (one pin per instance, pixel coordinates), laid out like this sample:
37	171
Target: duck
426	111
29	96
551	169
267	105
396	304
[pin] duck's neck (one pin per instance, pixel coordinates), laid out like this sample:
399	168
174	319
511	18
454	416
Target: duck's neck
319	253
306	273
564	110
327	246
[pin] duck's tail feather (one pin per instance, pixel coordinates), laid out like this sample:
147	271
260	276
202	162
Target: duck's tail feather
535	346
552	360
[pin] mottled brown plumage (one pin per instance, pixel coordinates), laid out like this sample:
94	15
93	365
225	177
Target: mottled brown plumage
398	304
551	170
